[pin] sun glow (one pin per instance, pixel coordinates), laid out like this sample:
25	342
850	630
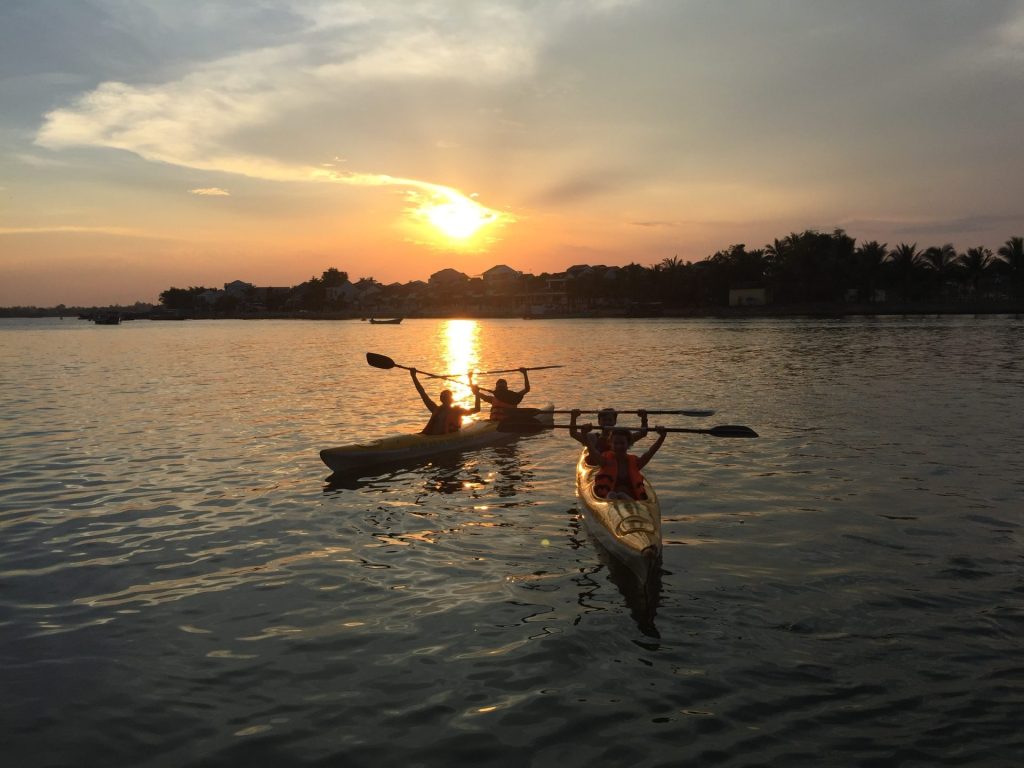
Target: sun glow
459	219
453	219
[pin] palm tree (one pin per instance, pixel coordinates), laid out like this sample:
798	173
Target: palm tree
1012	252
973	265
940	261
905	263
669	277
870	259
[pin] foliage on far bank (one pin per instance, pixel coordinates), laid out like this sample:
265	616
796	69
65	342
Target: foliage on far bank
810	268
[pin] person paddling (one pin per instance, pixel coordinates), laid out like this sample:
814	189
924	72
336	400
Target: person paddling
606	420
445	417
619	476
504	401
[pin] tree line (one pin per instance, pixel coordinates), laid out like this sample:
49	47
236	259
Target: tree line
806	268
812	267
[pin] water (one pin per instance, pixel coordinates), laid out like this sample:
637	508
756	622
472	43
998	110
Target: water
181	586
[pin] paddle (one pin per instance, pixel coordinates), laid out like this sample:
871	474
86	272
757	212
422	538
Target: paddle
698	412
385	363
726	430
513	370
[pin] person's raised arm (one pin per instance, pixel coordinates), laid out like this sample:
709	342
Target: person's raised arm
423	393
577	432
574	430
642	461
476	403
526	381
642	432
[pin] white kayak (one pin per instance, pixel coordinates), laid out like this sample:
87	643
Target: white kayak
630	530
401	448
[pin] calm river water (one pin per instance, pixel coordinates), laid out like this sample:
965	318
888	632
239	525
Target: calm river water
180	585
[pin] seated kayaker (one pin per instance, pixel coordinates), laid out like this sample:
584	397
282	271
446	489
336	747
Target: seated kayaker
619	476
504	401
445	417
606	420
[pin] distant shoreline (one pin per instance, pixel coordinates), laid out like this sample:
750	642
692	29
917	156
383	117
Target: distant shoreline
779	311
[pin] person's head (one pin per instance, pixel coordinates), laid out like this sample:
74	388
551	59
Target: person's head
620	441
501	385
446	396
606	417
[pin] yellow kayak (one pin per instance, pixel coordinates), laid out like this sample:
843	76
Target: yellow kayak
629	529
400	448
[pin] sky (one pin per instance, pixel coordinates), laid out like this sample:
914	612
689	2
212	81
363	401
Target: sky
146	144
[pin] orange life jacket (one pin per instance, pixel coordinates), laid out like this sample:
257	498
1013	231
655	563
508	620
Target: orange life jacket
500	409
448	419
608	476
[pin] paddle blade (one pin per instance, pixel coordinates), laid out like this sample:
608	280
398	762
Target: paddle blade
380	361
732	430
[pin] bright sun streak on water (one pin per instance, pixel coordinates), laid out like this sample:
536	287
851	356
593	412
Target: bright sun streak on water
461	353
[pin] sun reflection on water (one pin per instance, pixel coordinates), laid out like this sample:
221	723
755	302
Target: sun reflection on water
461	353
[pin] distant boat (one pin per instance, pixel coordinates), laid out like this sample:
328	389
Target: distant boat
107	318
393	321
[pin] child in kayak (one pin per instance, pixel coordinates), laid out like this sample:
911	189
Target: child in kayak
504	401
445	417
606	419
619	477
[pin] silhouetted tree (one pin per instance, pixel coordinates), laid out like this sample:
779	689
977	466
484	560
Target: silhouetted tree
939	260
973	266
905	266
1012	254
669	278
181	299
811	266
870	265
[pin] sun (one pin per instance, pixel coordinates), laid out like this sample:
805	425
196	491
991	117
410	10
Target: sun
450	218
459	218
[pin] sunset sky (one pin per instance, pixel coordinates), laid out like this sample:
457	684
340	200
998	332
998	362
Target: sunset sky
151	143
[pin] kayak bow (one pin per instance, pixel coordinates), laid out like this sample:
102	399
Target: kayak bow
630	530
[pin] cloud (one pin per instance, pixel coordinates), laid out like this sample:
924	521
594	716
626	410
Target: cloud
210	192
58	229
197	120
655	223
227	115
1008	37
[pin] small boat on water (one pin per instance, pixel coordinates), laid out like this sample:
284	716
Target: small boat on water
393	321
400	448
107	318
629	529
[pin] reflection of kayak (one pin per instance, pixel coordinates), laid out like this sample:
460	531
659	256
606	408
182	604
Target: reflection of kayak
630	530
398	448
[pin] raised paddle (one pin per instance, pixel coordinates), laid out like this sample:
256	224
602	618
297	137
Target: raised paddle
513	370
385	363
698	412
726	430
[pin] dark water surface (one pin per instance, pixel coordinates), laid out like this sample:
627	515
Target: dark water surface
181	586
